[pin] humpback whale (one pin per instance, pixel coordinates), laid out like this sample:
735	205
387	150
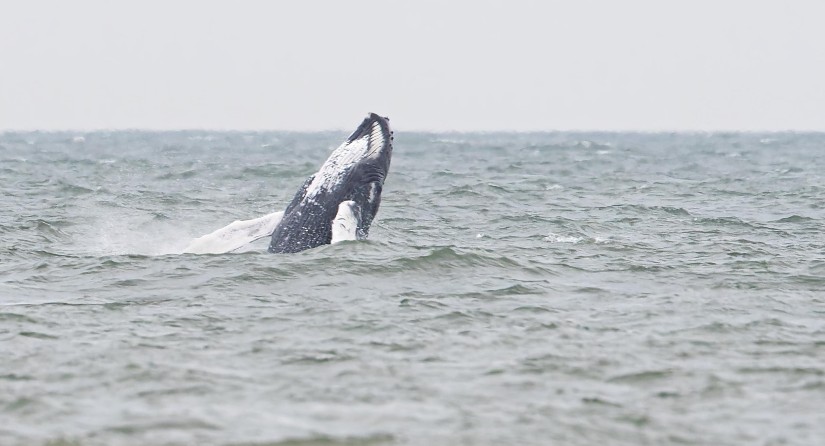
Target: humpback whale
339	201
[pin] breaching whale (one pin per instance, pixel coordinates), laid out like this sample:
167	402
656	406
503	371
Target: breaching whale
339	201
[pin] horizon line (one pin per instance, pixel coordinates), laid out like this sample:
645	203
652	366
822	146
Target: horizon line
419	130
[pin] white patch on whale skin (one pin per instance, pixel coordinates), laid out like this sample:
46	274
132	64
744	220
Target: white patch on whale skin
371	197
345	224
235	235
344	158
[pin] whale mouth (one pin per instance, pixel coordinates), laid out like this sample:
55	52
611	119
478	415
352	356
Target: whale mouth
373	136
371	125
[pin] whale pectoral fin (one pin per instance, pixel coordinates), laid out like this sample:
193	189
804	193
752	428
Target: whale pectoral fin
235	235
345	225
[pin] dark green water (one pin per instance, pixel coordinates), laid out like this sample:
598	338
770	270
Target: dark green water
584	288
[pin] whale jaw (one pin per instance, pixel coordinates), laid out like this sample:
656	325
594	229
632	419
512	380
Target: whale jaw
354	172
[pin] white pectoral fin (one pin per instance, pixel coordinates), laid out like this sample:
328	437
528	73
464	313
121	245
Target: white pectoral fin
345	224
235	235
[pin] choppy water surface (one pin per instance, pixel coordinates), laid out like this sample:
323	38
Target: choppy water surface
517	289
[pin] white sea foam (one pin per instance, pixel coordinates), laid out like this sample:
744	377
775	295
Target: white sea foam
130	233
556	238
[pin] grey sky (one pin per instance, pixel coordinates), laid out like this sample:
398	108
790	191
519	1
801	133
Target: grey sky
429	65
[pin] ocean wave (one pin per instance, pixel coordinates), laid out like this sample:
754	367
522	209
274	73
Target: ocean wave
793	219
447	258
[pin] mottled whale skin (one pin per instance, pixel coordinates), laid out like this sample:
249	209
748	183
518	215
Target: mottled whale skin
345	190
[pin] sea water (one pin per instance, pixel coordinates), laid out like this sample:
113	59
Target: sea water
542	288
